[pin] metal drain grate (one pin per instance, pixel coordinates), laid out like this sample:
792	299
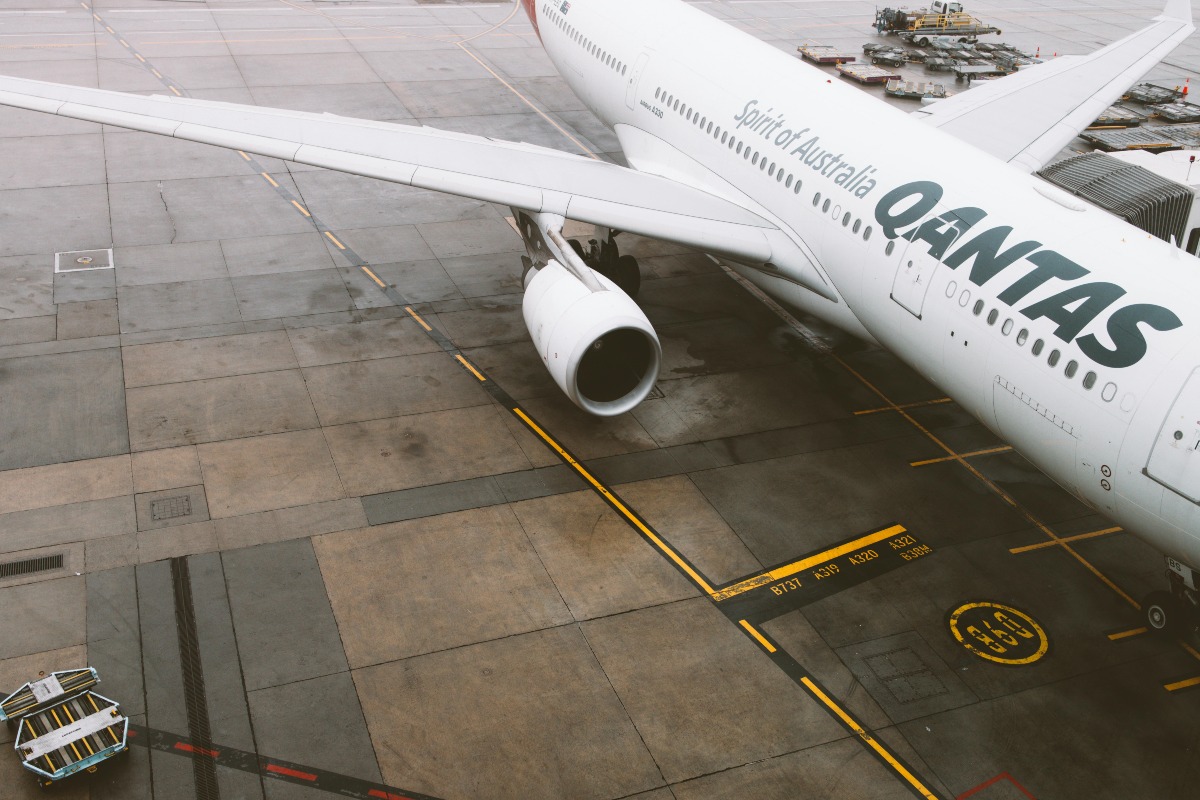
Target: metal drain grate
28	566
171	508
905	675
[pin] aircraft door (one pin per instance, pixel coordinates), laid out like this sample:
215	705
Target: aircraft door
1175	459
928	244
635	78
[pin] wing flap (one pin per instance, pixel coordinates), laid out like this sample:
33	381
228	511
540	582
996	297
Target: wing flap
1028	117
522	175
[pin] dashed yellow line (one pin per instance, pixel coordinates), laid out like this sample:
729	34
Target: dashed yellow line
243	154
110	30
176	91
374	277
139	57
1184	684
301	209
870	740
989	451
123	43
1063	539
469	366
417	317
615	502
334	239
1114	637
95	16
758	637
805	563
270	180
157	74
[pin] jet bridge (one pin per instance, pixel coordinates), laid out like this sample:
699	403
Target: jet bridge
1139	195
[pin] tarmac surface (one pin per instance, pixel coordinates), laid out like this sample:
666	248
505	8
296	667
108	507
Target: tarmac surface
314	552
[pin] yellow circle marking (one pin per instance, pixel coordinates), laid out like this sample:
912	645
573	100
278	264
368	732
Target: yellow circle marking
999	633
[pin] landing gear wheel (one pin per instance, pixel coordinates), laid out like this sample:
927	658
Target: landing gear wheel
1161	612
628	275
923	41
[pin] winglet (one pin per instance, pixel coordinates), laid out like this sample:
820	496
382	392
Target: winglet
1178	10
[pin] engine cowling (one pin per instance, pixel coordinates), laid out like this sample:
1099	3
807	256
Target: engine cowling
599	347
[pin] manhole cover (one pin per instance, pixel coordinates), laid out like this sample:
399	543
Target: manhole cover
171	508
81	260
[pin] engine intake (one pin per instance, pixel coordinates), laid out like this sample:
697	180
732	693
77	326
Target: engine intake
598	346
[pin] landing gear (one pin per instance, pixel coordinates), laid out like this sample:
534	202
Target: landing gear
605	257
1177	610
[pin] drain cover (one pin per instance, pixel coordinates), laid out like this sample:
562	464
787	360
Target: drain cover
83	260
171	508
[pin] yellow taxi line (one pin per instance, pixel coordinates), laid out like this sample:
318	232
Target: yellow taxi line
986	452
1077	537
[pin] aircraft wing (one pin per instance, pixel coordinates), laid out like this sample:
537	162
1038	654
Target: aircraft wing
521	175
1028	117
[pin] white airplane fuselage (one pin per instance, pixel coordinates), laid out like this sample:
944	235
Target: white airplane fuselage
1068	332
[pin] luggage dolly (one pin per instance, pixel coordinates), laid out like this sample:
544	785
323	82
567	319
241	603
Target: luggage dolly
63	727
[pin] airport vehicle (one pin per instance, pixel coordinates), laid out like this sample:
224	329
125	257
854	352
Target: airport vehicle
1065	330
920	26
63	727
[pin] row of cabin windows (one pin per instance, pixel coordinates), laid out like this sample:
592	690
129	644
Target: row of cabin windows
587	44
1072	366
748	153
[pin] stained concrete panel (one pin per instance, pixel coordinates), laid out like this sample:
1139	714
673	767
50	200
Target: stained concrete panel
268	472
75	287
304	69
189	304
298	294
28	288
417	282
359	341
88	318
78	160
274	582
477	327
433	99
359	100
389	387
407	65
169	468
586	435
57	484
423	449
54	219
80	408
266	255
382	245
704	697
196	209
45	527
341	742
28	330
219	408
212	357
169	263
387	584
491	706
294	522
133	156
600	565
52	617
472	238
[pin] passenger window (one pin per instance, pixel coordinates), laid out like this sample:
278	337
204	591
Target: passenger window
857	225
1022	337
816	199
1054	356
1037	347
978	309
799	186
825	206
846	219
1007	327
1072	368
951	288
754	160
1109	392
1089	380
788	182
964	298
993	315
739	149
1194	241
867	234
887	251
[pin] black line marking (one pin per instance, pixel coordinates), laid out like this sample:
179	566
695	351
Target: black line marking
194	696
216	755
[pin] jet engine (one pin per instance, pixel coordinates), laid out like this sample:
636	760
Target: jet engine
598	345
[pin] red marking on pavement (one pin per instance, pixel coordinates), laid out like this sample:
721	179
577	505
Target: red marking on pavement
386	795
189	748
291	773
1003	776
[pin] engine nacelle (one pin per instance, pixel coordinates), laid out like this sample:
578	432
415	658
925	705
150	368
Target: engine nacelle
599	347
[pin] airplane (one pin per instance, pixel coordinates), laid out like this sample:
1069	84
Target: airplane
1063	329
